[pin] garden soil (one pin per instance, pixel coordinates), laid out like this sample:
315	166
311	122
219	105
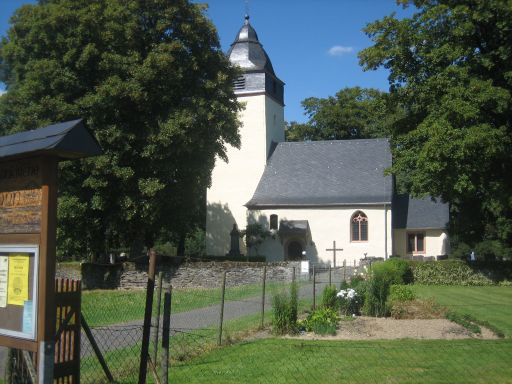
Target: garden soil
372	328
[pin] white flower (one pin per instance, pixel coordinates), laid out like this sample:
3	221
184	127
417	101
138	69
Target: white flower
341	293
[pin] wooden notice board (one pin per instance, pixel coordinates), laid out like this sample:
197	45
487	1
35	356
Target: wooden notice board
18	290
21	223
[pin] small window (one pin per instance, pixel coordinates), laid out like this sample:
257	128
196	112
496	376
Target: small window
359	227
415	243
273	221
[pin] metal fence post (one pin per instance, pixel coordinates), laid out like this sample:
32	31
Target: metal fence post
146	331
263	297
314	288
157	320
330	276
344	270
166	326
219	341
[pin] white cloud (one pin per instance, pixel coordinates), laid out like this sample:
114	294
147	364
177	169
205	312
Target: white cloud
339	50
2	91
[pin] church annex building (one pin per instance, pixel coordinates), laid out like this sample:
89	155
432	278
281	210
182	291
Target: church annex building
310	194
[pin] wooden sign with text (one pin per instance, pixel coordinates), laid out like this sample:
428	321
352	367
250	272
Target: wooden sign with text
20	197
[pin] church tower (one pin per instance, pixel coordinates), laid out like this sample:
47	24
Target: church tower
234	183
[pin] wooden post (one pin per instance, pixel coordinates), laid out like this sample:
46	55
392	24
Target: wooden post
221	320
46	295
263	297
314	288
146	331
166	326
157	320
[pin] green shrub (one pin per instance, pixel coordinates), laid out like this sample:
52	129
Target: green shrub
284	311
401	293
322	321
447	272
399	296
376	296
350	301
383	275
329	299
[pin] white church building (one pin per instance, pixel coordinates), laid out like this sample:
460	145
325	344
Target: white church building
312	196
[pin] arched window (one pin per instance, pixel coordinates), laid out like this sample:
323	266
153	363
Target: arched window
359	226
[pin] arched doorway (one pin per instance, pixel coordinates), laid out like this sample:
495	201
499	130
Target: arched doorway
294	250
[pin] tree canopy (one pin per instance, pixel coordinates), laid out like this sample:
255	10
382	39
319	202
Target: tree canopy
353	113
151	82
451	72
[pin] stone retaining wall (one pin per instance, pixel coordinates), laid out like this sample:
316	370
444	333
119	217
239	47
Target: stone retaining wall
188	275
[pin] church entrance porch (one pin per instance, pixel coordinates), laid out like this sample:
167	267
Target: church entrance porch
294	250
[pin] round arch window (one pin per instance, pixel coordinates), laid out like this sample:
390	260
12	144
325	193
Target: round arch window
294	250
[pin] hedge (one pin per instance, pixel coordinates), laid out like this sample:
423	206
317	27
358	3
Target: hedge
448	272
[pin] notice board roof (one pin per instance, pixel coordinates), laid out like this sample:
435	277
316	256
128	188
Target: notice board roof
67	140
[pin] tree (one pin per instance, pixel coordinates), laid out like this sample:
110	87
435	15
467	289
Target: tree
354	113
153	85
451	72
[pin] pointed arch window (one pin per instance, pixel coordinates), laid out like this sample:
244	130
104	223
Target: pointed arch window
359	226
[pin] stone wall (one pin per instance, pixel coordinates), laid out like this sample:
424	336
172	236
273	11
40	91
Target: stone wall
188	275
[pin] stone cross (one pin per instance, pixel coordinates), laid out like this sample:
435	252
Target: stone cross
333	250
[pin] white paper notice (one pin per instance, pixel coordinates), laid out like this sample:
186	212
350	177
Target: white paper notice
4	272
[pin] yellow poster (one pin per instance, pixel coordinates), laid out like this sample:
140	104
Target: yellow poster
17	291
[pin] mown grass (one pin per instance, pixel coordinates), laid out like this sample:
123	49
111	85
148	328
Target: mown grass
490	303
105	307
394	361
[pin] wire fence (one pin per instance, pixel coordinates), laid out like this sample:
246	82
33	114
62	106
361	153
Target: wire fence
221	334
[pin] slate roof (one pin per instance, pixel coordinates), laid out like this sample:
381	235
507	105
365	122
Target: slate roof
68	140
410	213
325	173
294	227
247	51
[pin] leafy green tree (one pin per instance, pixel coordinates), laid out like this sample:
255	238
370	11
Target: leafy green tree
354	113
153	85
450	69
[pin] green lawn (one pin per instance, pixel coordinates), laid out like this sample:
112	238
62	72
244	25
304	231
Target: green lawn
397	361
384	361
104	307
492	304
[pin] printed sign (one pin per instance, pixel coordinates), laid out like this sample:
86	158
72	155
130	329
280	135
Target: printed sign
4	270
17	291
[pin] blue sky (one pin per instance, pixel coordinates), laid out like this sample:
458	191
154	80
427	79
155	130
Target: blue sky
312	44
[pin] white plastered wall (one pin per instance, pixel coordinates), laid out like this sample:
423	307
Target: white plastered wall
328	225
234	183
436	241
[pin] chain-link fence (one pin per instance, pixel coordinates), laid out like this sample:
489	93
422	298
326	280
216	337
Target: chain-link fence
222	334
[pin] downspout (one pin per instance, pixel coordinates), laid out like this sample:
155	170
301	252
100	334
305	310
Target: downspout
385	232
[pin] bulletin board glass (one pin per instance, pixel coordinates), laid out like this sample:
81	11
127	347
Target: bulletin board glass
18	290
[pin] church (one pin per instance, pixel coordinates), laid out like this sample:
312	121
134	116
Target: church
322	201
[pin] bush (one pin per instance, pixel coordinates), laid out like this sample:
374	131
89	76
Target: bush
401	293
329	299
322	321
284	311
350	302
382	276
399	296
447	272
